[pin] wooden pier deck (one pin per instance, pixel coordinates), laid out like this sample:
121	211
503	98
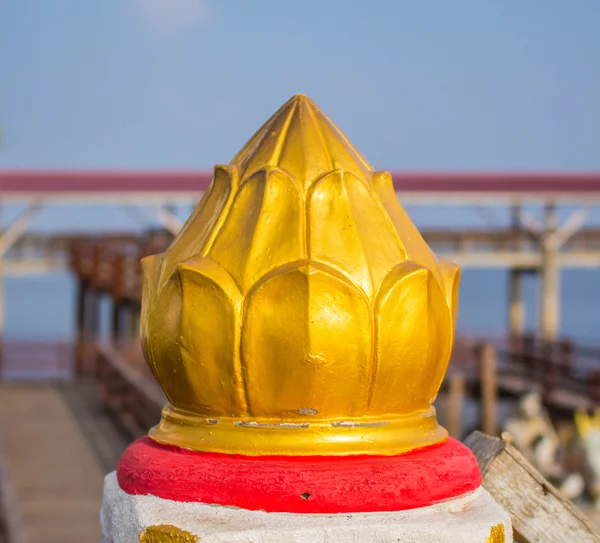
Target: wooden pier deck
56	461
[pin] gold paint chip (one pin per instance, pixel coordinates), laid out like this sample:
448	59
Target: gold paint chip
496	535
166	533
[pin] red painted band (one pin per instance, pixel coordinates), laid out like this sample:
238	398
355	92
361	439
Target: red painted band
301	484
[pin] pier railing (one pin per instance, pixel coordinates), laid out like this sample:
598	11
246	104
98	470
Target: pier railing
565	374
510	248
127	388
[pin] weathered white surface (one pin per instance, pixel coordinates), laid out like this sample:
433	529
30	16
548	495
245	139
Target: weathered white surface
464	520
539	512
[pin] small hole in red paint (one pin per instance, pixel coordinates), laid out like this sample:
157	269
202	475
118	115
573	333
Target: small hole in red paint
306	495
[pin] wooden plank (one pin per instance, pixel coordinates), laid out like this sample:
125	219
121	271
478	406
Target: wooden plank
55	474
11	527
489	390
539	512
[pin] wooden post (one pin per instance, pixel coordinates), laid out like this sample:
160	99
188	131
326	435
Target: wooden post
489	390
516	311
94	314
117	312
516	308
538	511
81	322
455	404
91	326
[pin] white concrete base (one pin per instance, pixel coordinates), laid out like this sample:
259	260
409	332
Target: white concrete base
466	520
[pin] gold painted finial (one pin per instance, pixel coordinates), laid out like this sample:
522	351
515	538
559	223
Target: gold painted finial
299	310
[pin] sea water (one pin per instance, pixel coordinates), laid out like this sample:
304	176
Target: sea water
43	308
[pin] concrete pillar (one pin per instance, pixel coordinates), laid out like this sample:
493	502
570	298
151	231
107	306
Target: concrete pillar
93	314
549	292
90	322
516	308
116	318
80	324
128	518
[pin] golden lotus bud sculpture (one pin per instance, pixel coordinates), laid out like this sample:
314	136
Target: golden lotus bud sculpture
299	311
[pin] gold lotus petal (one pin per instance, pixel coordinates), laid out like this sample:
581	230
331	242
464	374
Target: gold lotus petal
344	156
413	341
451	278
252	241
204	223
151	266
209	342
303	152
410	238
264	147
348	230
301	140
306	344
164	332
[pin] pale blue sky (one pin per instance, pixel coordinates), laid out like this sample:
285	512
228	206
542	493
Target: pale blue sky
511	84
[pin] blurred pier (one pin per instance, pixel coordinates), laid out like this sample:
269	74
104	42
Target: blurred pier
527	245
566	374
95	394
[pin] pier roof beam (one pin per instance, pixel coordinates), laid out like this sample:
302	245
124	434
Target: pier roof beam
569	228
550	278
19	226
169	220
525	260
